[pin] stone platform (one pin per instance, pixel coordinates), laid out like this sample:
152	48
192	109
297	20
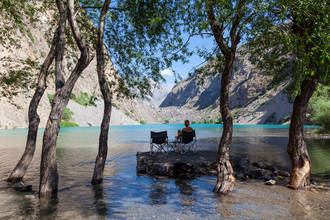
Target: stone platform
202	163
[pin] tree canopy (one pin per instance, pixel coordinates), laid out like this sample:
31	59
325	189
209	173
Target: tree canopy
294	42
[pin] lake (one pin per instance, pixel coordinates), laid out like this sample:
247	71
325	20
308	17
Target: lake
124	195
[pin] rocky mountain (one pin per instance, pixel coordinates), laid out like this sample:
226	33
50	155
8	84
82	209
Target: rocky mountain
253	100
34	46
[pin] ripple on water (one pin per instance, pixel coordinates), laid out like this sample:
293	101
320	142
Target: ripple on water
124	195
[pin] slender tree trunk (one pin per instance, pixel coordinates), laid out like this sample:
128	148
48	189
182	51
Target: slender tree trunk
48	167
103	139
297	149
60	48
34	120
225	173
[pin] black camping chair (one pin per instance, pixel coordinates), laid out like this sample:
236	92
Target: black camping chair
188	141
158	141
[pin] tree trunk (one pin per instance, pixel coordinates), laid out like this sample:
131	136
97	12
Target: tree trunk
48	167
59	77
297	149
34	120
103	139
225	173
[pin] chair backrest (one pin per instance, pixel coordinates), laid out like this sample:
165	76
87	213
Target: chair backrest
188	137
158	137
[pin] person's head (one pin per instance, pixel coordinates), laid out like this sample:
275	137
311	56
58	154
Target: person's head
186	123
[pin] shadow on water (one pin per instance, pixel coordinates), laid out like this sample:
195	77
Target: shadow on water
100	203
158	192
47	209
125	195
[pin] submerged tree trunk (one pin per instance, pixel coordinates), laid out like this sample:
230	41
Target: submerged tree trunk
48	167
103	139
297	149
225	176
34	120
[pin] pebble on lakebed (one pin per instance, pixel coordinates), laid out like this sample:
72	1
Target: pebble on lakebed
202	163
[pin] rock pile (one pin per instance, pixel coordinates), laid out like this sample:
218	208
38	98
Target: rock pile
191	165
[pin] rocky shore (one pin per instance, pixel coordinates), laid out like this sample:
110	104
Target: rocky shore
191	165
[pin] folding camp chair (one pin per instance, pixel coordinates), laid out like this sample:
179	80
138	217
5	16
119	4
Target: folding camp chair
158	141
188	141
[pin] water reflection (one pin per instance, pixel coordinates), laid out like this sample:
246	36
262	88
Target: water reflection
158	192
123	195
100	202
47	208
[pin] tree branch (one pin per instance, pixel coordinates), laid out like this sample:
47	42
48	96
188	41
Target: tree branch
216	29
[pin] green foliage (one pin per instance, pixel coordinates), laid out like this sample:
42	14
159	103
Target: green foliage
69	124
166	121
84	99
19	78
143	122
143	38
50	98
67	115
73	96
319	107
293	42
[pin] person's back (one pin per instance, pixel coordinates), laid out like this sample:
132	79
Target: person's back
186	129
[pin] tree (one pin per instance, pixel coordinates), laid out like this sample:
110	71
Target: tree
48	168
56	52
295	45
107	96
34	119
229	23
140	37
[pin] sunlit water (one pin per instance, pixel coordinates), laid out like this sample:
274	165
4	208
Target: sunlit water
124	195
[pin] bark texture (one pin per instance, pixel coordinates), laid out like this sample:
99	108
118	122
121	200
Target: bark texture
225	173
297	149
48	168
103	139
225	177
34	119
60	47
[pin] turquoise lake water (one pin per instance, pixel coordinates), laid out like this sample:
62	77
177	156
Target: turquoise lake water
124	195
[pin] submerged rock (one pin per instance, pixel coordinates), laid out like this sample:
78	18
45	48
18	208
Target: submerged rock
201	163
270	182
21	187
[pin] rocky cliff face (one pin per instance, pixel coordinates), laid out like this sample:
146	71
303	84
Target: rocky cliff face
252	98
34	47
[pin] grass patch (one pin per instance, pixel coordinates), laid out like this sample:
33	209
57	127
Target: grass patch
69	124
67	115
143	122
84	99
319	107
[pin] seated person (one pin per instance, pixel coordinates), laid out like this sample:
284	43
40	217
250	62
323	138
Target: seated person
186	129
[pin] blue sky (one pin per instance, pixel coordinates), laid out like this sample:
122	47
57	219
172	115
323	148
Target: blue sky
194	60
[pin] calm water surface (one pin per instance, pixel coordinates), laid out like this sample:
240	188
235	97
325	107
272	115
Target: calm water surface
124	195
